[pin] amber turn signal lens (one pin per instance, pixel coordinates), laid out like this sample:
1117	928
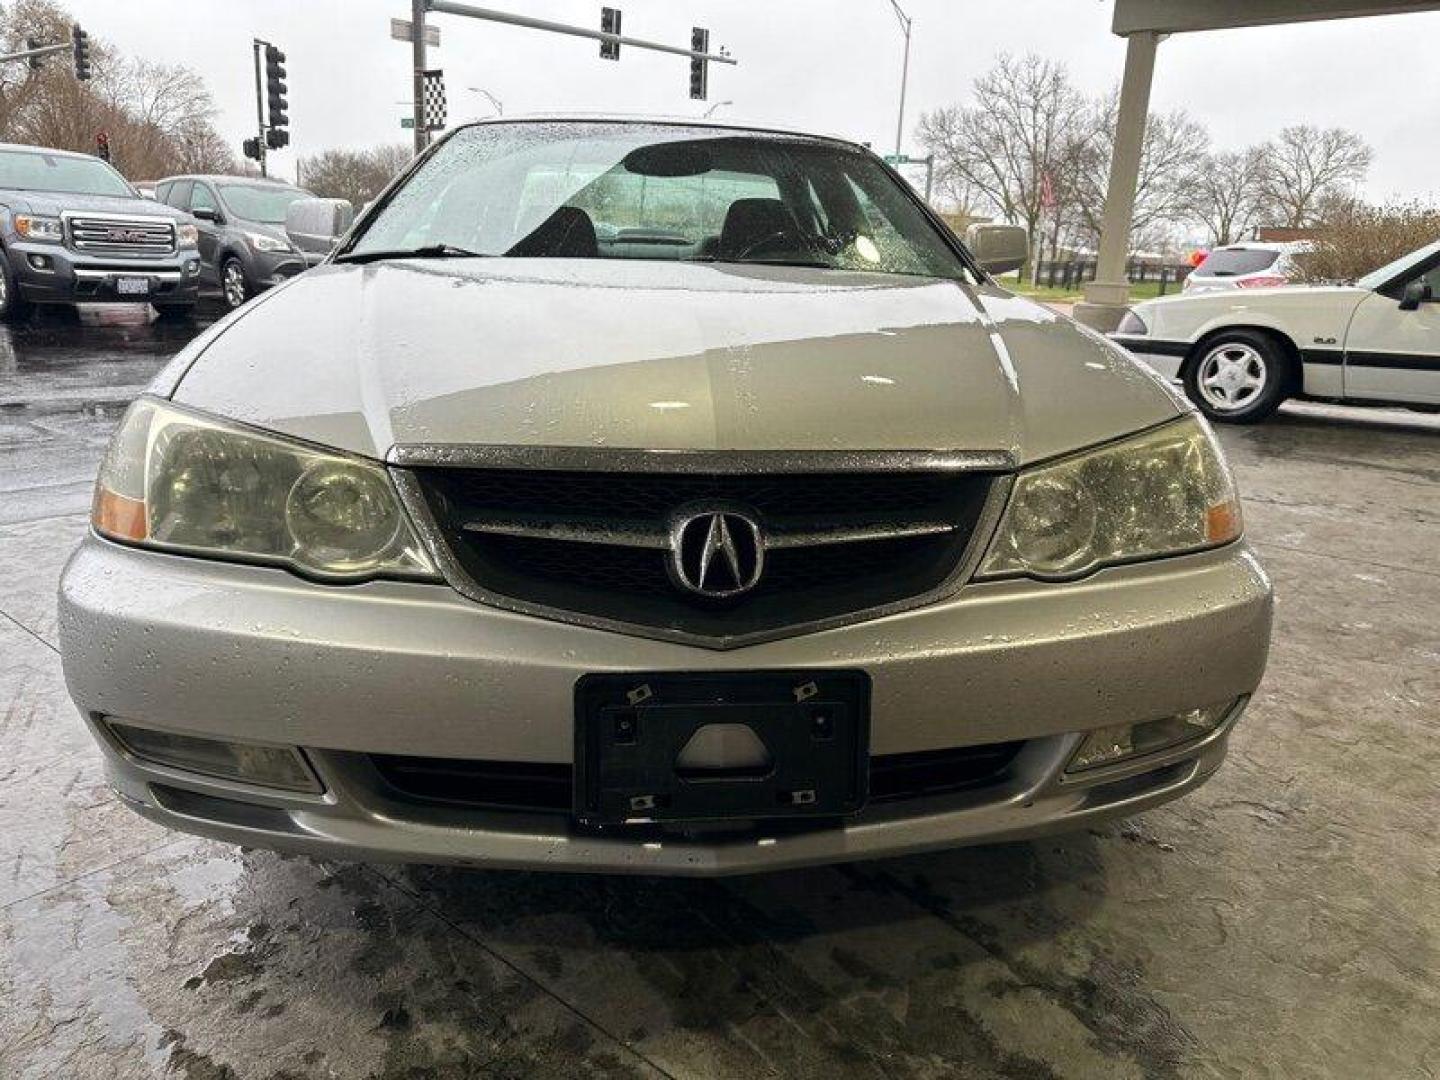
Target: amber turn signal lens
1222	522
117	517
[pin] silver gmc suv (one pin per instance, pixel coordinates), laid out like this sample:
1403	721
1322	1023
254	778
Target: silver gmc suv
657	497
72	230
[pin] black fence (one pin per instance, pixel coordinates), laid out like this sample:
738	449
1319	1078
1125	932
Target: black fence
1072	273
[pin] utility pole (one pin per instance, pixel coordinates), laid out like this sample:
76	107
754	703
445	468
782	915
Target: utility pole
906	24
417	52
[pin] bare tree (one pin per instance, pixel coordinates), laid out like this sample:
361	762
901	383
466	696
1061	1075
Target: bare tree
1171	160
357	175
1228	193
1013	140
1305	162
159	117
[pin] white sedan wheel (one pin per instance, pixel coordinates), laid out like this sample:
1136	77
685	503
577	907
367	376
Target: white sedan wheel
1232	376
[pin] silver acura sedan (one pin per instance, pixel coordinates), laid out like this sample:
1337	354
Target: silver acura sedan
654	497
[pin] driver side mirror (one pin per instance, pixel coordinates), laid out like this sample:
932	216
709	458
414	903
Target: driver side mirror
998	248
1416	293
204	213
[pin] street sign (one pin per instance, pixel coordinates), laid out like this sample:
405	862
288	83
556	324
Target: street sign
903	159
407	121
402	30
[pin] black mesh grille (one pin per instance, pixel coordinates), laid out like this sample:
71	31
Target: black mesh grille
528	786
632	585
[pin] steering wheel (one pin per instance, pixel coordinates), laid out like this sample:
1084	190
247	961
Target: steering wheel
776	237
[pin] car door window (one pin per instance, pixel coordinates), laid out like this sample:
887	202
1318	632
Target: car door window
202	198
179	194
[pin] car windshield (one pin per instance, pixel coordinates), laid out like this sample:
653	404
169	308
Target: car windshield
261	202
37	171
1232	262
1379	278
659	192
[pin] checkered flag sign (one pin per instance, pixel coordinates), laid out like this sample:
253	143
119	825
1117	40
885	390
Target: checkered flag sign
433	99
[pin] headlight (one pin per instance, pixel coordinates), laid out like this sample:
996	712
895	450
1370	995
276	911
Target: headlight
187	235
181	482
261	242
39	228
1162	493
1132	325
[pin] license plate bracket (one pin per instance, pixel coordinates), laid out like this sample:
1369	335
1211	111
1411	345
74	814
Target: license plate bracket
132	286
630	730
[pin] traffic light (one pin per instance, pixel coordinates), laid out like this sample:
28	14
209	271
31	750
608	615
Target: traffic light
251	147
33	61
277	138
102	145
609	24
80	42
699	69
275	88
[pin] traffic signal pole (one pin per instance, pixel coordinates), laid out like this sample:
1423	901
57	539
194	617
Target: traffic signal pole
258	47
699	54
417	52
43	50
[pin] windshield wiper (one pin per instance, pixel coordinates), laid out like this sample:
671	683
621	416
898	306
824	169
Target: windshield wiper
427	251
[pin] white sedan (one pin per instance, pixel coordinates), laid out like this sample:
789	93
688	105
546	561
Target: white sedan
1240	354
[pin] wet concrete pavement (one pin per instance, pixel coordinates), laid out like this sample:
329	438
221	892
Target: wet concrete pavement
1283	921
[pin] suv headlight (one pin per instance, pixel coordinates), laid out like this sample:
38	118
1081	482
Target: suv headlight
261	242
1165	492
179	481
31	227
187	235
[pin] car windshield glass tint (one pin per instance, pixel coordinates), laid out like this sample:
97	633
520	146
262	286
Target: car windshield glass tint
50	172
257	202
1231	262
660	192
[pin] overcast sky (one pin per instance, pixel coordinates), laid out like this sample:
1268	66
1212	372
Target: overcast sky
828	65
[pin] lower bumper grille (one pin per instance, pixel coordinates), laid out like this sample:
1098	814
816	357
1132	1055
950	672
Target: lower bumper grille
546	788
610	548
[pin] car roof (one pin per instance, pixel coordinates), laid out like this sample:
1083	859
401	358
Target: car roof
671	121
1281	246
52	151
268	181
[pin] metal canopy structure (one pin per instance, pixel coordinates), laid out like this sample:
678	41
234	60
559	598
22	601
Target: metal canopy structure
1144	23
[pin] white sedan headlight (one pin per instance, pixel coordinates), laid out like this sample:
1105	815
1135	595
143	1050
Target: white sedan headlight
179	481
1165	492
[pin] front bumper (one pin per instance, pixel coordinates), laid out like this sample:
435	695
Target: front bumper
68	278
274	268
236	652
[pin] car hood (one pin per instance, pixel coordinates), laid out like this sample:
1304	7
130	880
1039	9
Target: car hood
53	203
662	355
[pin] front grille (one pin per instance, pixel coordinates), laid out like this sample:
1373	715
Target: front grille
596	546
546	788
121	236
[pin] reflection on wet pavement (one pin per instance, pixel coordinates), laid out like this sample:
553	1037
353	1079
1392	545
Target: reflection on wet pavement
1283	921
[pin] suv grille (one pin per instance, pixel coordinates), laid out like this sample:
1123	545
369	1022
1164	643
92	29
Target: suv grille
121	236
596	546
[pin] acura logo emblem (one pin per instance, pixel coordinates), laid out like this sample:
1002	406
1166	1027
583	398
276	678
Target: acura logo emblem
717	552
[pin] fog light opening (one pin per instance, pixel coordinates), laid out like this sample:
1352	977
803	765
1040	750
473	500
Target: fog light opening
265	766
1124	742
40	262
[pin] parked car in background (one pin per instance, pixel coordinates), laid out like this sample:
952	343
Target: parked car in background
145	191
241	220
1248	265
72	231
766	529
1376	341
